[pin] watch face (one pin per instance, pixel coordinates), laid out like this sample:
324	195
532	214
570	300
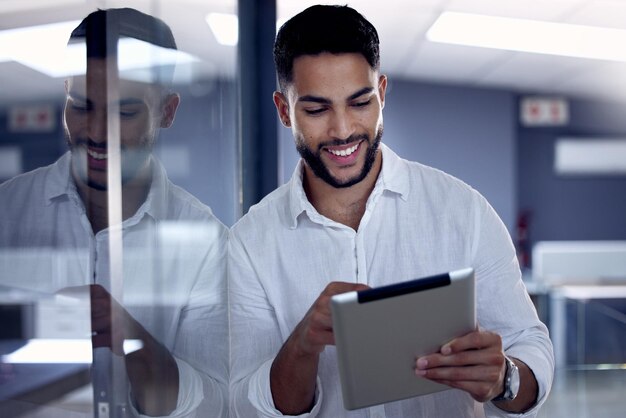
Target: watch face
514	380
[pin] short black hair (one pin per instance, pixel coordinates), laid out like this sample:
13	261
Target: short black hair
324	28
125	23
101	30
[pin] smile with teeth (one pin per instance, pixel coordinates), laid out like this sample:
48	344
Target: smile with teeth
96	155
344	152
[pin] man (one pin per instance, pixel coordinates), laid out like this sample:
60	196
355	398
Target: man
107	213
356	215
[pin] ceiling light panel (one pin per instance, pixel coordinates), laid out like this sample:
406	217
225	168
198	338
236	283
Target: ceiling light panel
529	36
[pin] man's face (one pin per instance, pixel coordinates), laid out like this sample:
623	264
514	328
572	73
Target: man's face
334	107
142	111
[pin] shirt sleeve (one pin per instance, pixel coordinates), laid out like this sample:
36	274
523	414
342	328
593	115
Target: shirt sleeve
504	307
201	346
255	340
190	393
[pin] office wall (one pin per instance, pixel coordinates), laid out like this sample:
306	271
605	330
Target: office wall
205	129
573	207
467	132
38	148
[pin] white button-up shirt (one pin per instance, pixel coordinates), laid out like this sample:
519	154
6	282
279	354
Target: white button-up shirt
418	222
174	262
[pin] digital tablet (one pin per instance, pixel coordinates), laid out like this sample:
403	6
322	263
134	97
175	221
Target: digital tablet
380	332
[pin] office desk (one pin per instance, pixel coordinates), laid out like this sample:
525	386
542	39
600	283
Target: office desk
558	298
587	393
26	386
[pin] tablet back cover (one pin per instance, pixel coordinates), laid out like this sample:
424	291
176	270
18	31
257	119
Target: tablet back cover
379	338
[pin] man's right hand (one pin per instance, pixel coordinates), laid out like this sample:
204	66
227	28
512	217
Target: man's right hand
294	370
315	331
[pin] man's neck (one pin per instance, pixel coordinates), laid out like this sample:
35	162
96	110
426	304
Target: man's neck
96	202
343	205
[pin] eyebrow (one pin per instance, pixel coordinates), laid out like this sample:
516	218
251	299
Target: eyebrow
323	100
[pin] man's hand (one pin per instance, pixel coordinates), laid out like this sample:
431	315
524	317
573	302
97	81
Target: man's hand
294	370
315	331
475	363
111	324
152	371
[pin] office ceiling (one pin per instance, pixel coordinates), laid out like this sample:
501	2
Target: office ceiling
402	25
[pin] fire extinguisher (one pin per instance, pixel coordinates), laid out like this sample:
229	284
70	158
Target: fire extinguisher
522	242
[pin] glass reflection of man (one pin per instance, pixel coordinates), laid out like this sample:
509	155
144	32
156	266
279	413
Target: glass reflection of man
173	284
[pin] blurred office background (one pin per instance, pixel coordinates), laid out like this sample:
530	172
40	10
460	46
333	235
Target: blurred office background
532	116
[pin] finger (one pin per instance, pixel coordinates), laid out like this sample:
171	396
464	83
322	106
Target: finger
319	320
473	341
97	291
335	288
488	356
489	374
100	308
322	338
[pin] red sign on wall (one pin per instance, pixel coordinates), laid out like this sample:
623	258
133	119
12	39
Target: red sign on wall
539	111
40	118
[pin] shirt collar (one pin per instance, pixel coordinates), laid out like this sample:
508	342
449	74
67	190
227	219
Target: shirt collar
60	183
156	203
393	177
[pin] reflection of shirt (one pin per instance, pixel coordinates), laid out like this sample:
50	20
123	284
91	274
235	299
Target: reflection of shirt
418	222
173	267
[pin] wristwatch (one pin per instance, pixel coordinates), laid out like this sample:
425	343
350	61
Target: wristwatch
511	382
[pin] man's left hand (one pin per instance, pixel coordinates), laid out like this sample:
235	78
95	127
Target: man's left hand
473	363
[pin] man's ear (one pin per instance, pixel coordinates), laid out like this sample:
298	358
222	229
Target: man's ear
168	111
382	89
282	107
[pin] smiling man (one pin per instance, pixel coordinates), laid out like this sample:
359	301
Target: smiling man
143	109
355	215
163	259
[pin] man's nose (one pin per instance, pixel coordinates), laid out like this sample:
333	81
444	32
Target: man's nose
341	125
97	126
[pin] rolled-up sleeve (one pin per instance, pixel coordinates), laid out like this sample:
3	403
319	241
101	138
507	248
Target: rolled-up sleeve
504	306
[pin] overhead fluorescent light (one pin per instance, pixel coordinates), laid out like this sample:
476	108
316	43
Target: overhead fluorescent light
47	41
225	27
60	351
12	6
529	36
44	48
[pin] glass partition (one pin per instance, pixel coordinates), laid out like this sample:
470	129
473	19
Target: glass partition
118	164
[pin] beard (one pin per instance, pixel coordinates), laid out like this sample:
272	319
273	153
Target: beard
133	160
314	158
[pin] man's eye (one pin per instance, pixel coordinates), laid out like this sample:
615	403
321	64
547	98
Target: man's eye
315	111
362	104
80	107
128	113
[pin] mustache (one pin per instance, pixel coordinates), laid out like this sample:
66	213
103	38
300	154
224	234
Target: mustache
89	143
339	142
